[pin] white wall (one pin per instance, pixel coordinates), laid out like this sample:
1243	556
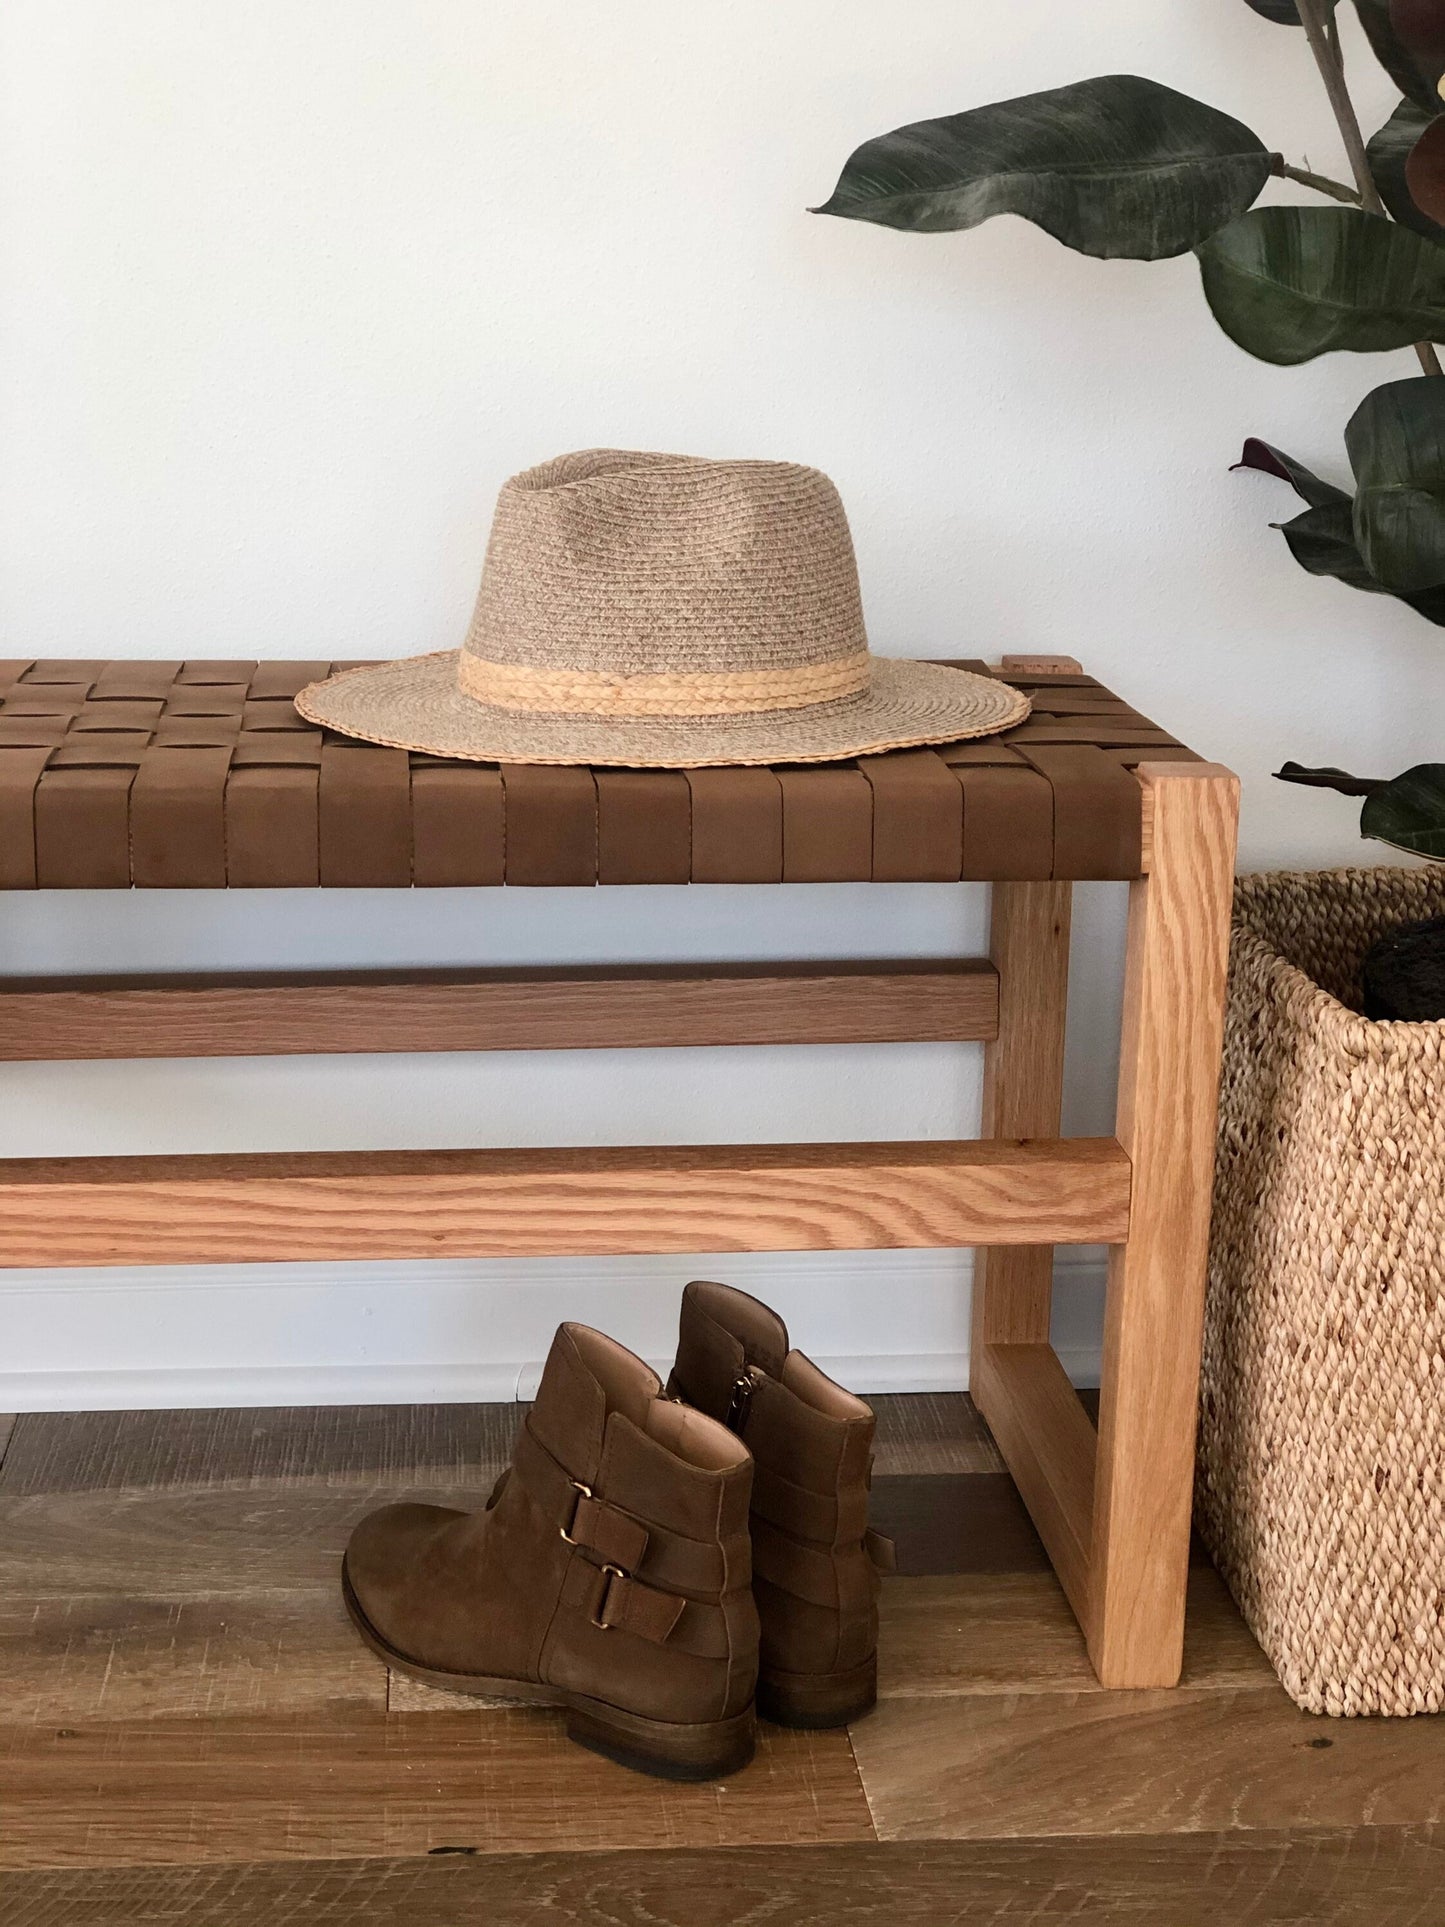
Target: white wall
287	289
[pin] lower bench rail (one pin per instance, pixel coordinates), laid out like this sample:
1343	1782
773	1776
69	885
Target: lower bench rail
561	1203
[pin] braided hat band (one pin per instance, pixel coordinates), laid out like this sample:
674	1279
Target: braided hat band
591	692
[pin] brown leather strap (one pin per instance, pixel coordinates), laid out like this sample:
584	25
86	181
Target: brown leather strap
802	1570
690	1565
616	1602
807	1571
625	1605
612	1536
793	1508
880	1550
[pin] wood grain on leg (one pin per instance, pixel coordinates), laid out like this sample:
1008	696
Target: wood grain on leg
1045	1435
1168	1086
1023	1075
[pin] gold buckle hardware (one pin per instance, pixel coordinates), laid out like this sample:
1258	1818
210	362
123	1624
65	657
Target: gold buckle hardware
581	1492
609	1573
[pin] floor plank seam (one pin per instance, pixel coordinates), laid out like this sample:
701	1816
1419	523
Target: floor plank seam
863	1785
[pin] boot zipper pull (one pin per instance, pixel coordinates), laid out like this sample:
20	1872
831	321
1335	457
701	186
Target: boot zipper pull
744	1385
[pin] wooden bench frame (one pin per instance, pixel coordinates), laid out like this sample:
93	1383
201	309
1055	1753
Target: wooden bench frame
1112	1508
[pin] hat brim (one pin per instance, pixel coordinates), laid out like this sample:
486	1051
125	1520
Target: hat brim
415	703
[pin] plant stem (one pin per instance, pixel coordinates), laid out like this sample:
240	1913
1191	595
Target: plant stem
1326	51
1321	183
1332	72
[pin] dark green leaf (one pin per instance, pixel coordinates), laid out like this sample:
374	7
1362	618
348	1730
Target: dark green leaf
1322	540
1115	166
1429	603
1409	812
1396	443
1305	483
1328	779
1388	152
1289	283
1409	61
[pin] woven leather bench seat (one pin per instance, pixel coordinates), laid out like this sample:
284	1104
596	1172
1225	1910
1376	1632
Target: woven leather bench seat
201	775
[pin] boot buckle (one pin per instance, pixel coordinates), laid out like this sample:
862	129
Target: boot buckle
604	1594
580	1492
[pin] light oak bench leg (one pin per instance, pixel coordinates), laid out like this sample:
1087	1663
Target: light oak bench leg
1168	1087
1048	1444
1016	1380
1023	1080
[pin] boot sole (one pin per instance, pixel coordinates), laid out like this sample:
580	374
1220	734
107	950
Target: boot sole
818	1699
666	1749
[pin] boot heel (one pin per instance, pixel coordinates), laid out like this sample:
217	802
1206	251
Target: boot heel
704	1751
818	1699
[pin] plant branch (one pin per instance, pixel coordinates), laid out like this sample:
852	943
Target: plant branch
1332	73
1321	183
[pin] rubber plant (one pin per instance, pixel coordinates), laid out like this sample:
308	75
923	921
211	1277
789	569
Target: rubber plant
1123	166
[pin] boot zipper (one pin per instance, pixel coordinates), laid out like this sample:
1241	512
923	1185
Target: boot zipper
744	1385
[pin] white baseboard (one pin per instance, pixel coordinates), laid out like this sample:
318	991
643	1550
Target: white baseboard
461	1331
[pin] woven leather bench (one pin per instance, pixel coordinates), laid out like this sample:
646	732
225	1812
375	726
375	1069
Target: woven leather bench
201	775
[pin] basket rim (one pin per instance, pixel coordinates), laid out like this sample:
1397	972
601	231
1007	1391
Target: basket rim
1322	1005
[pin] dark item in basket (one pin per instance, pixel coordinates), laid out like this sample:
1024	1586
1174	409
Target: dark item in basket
1404	974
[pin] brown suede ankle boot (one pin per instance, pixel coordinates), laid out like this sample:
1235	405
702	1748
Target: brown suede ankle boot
815	1562
609	1573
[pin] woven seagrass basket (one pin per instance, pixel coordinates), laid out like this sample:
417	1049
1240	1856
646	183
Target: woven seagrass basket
1321	1482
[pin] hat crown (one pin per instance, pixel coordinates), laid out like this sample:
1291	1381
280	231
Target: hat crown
622	563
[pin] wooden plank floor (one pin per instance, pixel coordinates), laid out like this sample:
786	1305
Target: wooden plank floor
190	1732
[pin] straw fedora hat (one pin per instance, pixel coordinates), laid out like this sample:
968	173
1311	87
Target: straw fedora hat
667	612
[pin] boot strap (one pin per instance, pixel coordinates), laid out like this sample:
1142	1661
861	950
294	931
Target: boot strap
809	1572
624	1604
823	1517
881	1550
611	1537
583	1520
616	1601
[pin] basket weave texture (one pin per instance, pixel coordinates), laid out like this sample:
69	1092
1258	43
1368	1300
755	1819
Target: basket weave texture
1321	1472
